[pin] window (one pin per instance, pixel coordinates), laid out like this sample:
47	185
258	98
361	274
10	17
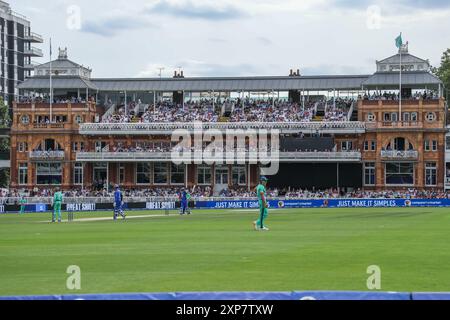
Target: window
371	117
346	145
160	173
23	147
370	145
74	146
413	116
25	119
394	117
100	146
177	174
121	173
49	173
143	173
399	144
221	175
387	117
447	142
78	174
406	116
427	145
399	173
434	145
430	174
204	175
430	116
23	174
239	176
78	119
447	174
369	173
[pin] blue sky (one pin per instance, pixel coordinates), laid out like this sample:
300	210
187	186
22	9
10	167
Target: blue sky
133	38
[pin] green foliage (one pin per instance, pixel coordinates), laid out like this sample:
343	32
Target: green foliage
5	119
443	72
5	144
4	178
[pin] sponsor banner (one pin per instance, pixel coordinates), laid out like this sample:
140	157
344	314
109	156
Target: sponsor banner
160	205
73	207
236	204
325	203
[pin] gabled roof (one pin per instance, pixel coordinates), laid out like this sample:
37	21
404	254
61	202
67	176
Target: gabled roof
232	83
414	80
36	83
406	58
61	63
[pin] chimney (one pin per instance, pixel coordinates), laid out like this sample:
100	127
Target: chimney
291	74
175	74
298	72
182	74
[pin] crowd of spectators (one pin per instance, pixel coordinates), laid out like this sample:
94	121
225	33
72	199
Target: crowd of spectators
359	194
263	111
46	99
244	111
236	192
338	109
425	95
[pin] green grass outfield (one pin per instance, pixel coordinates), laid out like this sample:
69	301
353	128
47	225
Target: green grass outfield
306	249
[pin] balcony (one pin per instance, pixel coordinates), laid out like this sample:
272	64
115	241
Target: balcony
247	157
394	125
47	155
30	65
34	38
33	52
50	126
399	155
344	127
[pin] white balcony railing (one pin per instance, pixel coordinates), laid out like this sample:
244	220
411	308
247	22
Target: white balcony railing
34	37
46	155
253	157
30	65
34	52
397	154
164	128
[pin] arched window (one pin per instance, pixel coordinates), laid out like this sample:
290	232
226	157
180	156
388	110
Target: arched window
400	144
49	145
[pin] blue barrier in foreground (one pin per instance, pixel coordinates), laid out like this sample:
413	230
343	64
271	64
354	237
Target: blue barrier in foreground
207	296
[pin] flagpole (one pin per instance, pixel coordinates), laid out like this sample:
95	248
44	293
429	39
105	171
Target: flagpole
51	84
400	94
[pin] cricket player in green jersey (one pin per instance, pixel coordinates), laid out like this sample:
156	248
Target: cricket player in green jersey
57	201
188	198
263	205
22	202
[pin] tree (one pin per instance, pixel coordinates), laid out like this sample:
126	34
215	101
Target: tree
443	72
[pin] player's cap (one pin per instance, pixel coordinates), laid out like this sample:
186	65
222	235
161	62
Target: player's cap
263	179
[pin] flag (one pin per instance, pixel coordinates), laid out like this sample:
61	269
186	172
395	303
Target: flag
50	48
399	41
